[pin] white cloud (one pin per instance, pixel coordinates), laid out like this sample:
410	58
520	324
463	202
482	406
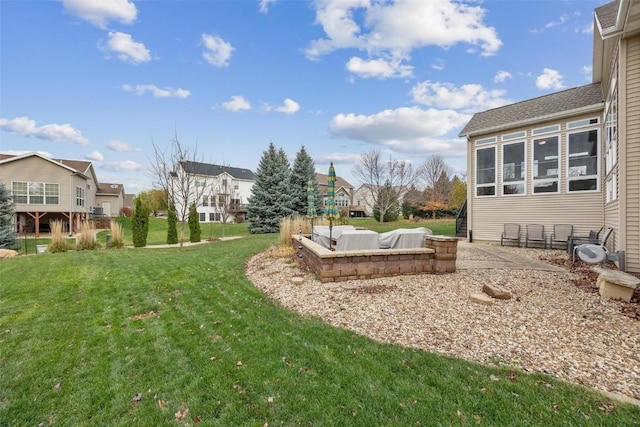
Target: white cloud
438	64
126	48
469	97
501	76
404	129
217	52
380	68
127	165
237	103
398	27
156	91
264	5
551	24
100	12
587	70
549	79
95	156
52	132
288	107
116	145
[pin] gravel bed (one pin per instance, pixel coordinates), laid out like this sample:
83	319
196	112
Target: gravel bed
550	325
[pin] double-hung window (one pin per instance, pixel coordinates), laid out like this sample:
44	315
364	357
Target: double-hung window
582	162
546	165
79	196
202	216
513	168
486	171
35	193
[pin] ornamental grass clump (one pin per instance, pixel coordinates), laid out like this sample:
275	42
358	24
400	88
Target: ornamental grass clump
117	236
58	241
86	239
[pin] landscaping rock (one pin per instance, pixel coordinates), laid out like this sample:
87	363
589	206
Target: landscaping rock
495	291
480	299
297	280
8	253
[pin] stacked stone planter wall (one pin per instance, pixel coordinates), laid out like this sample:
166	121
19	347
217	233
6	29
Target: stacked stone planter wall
439	256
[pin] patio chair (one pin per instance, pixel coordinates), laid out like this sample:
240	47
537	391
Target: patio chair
561	234
511	233
535	234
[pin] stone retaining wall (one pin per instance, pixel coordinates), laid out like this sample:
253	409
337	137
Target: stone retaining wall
439	256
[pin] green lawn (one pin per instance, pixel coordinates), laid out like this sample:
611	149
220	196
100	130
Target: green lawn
138	337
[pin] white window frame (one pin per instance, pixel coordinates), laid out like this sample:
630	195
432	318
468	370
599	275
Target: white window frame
534	166
494	184
576	124
202	216
514	135
80	197
583	177
486	141
545	130
523	181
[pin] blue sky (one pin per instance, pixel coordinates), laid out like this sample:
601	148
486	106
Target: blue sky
102	80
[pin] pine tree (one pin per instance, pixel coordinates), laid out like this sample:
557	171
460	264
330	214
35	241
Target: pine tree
303	170
140	224
194	224
271	197
8	236
172	223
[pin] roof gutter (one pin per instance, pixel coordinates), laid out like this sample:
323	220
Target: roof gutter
510	125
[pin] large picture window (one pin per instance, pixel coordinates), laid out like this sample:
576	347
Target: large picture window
513	168
545	164
582	164
35	193
486	171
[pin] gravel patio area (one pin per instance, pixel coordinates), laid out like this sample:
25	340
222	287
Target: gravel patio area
550	326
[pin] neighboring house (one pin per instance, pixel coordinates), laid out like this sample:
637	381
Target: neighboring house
344	193
109	199
217	188
46	189
128	200
569	157
363	199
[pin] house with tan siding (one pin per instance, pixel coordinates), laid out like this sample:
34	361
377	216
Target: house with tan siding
571	157
45	189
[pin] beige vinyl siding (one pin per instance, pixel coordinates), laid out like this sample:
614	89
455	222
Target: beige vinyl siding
36	169
584	211
612	219
632	148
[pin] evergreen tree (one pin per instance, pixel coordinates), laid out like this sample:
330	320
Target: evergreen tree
271	197
194	224
140	224
8	236
303	170
172	223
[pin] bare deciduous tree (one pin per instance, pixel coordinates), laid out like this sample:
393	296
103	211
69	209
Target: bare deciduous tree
175	169
386	180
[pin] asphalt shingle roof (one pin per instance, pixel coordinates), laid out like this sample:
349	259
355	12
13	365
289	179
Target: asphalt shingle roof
607	14
533	109
215	170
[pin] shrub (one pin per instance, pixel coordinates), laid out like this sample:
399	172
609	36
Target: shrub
125	212
117	236
58	241
140	224
86	239
172	223
194	224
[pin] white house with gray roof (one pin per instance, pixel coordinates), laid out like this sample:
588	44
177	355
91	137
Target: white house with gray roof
571	157
218	189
